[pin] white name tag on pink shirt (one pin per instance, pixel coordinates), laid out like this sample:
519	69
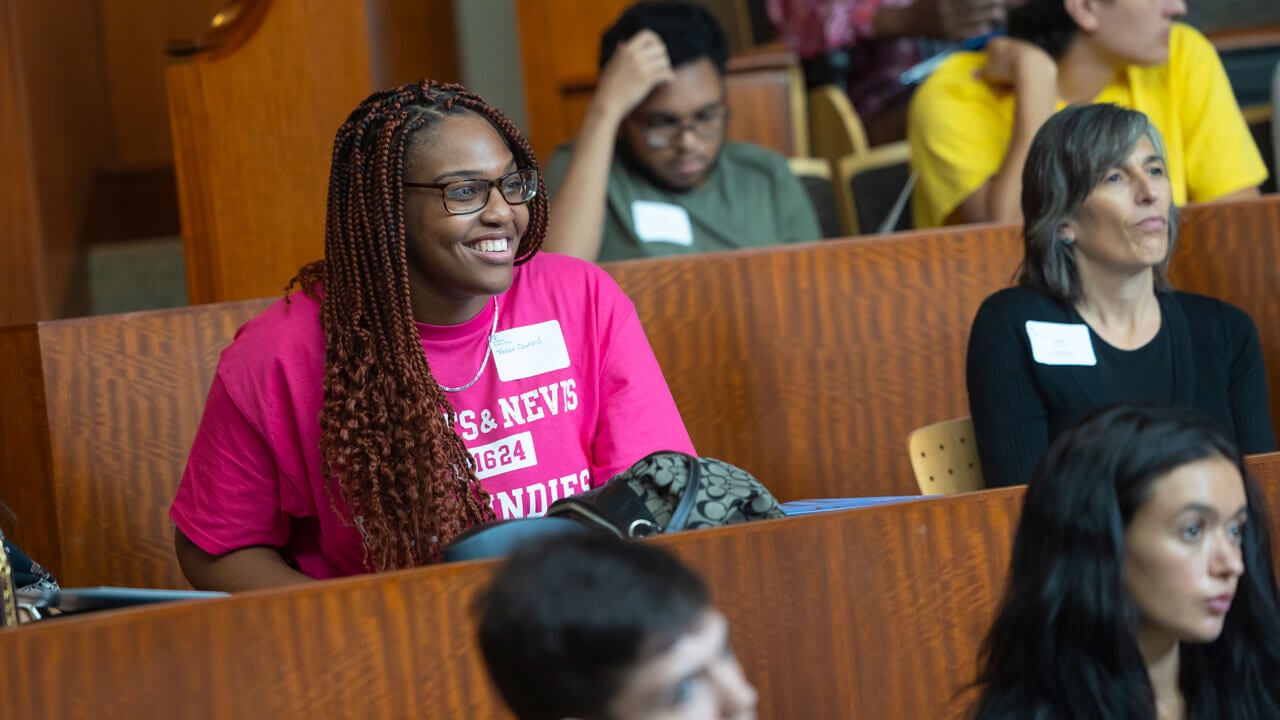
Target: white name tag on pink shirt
662	222
1060	343
523	352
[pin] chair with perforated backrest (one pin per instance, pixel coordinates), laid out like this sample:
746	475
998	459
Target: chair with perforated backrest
815	175
944	457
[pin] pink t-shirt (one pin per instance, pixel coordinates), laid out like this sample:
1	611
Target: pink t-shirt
571	396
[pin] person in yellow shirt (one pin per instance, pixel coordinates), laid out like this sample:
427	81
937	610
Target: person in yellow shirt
971	123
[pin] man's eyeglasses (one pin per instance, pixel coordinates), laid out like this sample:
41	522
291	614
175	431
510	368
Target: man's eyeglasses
706	124
463	197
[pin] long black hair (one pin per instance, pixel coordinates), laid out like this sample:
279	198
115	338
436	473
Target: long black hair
1064	644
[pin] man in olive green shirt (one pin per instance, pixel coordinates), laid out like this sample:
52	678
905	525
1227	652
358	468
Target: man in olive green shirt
651	173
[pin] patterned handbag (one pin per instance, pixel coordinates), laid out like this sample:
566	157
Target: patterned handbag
668	492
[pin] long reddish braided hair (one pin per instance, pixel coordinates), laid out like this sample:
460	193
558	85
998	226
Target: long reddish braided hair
386	428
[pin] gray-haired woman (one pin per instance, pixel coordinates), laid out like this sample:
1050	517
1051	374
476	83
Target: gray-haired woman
1093	319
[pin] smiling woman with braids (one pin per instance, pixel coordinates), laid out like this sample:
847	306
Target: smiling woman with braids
434	372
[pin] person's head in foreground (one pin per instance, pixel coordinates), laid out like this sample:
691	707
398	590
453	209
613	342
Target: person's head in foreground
597	628
1097	202
673	136
434	197
1141	584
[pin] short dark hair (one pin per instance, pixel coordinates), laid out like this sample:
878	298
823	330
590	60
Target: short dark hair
1069	156
1064	643
1045	24
689	31
566	619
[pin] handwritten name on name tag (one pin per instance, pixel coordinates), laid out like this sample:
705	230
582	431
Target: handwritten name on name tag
531	350
1060	343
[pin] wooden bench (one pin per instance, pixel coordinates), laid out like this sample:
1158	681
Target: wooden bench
806	365
871	613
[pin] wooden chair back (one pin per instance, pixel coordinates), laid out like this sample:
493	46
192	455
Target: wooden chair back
835	130
97	417
1231	251
944	457
809	364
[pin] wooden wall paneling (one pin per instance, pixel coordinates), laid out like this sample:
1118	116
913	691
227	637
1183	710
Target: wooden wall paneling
55	110
25	460
134	34
253	125
399	53
559	48
22	293
809	364
1231	251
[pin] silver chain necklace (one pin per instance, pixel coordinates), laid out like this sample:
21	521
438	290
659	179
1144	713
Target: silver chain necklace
488	350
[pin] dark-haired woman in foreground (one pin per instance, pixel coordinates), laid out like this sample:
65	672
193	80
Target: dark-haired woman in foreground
1094	320
1141	585
435	372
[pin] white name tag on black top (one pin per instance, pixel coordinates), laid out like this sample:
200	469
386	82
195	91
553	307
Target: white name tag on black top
523	352
1060	343
662	222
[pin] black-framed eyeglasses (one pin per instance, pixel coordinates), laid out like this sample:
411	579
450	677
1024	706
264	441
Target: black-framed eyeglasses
706	124
463	197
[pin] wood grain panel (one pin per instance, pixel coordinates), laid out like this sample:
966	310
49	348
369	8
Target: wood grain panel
1232	251
398	52
884	621
22	293
559	47
24	448
813	637
253	128
58	121
97	419
809	364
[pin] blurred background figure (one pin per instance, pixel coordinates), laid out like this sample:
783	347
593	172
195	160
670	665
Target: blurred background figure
866	45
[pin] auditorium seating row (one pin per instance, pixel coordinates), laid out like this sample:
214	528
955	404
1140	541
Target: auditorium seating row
807	365
869	613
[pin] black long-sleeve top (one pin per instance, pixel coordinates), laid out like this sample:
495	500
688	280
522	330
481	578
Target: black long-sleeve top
1214	364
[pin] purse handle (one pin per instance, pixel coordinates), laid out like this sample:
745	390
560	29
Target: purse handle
680	516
